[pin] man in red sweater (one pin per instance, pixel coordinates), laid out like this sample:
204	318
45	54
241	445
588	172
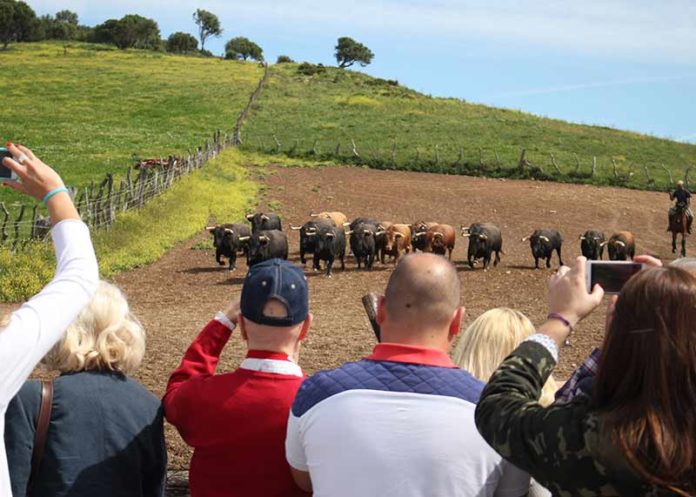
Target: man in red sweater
236	422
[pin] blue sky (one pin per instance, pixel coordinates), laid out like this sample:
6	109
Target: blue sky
629	64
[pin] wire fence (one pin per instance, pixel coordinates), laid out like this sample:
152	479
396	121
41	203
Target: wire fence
99	204
451	158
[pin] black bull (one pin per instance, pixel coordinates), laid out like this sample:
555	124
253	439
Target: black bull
543	243
264	245
227	242
308	235
484	240
262	221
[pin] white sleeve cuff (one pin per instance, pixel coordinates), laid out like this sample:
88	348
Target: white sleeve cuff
221	318
548	343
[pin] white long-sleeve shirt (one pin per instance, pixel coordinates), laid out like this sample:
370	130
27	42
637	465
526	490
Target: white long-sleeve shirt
38	324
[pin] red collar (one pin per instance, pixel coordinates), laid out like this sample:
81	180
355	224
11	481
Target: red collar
396	352
267	354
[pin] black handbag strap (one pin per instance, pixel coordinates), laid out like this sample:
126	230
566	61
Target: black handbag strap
42	423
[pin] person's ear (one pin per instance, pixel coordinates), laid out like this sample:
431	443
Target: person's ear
306	324
456	323
242	327
381	311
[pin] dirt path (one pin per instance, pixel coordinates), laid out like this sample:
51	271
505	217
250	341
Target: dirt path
176	296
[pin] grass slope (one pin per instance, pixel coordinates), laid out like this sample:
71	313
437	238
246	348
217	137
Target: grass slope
337	106
220	191
92	110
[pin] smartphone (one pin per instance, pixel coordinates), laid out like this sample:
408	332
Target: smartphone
610	275
370	304
5	172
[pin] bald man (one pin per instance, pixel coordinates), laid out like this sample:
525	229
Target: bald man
401	421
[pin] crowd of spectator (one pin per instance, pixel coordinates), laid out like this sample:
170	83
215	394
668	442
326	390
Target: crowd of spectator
414	418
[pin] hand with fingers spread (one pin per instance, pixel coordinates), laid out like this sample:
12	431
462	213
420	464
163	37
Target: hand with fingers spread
38	180
568	301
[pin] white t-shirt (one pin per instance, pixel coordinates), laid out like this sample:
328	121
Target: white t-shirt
376	428
39	323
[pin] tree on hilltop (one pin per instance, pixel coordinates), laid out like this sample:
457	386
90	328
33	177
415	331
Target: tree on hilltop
18	22
208	25
181	43
243	48
349	51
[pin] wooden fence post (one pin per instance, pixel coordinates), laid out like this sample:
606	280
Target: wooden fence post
669	173
111	215
141	188
480	156
315	152
355	150
460	157
16	227
393	153
497	159
4	234
555	165
437	153
32	233
686	176
275	138
616	172
337	153
522	162
594	166
577	164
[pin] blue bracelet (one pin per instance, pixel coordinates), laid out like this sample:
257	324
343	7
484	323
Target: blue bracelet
55	191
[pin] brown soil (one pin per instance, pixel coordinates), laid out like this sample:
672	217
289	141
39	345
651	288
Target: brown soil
176	296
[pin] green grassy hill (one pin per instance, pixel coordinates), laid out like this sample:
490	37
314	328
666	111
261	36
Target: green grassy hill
336	106
92	110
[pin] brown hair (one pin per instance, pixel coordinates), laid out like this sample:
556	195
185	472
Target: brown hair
646	382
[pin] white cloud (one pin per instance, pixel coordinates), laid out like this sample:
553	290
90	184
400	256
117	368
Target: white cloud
638	29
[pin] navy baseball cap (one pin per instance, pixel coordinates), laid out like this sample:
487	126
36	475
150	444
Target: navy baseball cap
275	279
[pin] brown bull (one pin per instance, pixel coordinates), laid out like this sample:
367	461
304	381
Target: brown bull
398	240
339	219
621	245
440	239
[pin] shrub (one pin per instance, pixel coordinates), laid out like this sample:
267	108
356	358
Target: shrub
181	43
284	59
309	69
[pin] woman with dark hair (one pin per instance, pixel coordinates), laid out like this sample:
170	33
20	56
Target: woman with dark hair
635	433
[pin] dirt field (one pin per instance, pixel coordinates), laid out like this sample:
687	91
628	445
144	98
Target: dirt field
176	296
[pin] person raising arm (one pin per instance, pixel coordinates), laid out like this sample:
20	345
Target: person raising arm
30	331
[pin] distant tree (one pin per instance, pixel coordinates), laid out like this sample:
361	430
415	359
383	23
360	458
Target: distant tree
65	27
208	25
284	59
349	51
18	22
243	48
181	43
105	32
134	31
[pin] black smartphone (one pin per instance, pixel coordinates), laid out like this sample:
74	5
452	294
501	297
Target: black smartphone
610	275
5	172
370	304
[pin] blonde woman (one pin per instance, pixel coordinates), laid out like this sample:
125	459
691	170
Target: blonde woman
105	435
490	339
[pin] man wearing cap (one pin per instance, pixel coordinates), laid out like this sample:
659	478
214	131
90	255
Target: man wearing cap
236	422
401	421
682	196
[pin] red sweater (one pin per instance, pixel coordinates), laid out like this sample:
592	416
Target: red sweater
236	422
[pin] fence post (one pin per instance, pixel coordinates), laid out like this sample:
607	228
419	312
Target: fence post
669	173
4	234
393	153
555	165
277	144
577	163
111	215
315	152
497	159
522	162
437	154
480	156
686	176
32	234
355	150
594	166
616	172
16	227
141	188
460	157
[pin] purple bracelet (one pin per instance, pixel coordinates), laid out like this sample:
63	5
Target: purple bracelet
561	318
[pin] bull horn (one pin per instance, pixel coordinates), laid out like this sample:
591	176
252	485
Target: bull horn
264	218
313	233
525	239
603	244
208	228
249	216
346	224
418	234
581	237
349	232
483	237
263	238
367	232
313	215
545	238
380	232
463	228
466	235
244	238
227	230
295	228
437	233
620	243
330	235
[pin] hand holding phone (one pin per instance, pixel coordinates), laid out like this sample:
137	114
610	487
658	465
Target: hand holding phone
5	172
610	275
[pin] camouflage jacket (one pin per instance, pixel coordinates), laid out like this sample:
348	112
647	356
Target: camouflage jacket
560	446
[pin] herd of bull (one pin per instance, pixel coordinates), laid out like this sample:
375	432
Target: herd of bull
324	236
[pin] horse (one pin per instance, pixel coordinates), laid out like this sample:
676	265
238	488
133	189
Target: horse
678	223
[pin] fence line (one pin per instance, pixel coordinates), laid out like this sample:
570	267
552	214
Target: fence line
99	204
452	159
237	133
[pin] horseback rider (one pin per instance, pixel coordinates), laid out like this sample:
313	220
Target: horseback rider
683	197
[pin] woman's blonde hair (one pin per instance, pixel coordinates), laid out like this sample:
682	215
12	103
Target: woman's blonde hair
105	336
490	339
